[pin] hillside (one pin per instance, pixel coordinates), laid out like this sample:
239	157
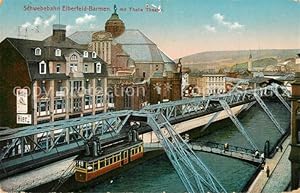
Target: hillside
260	63
226	59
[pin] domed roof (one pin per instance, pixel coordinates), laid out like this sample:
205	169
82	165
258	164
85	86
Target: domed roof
114	24
114	17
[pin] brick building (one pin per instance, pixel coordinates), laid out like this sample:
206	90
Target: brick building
207	84
133	59
62	78
165	88
294	156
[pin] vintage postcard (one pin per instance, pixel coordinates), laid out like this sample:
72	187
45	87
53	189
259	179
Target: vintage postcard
150	96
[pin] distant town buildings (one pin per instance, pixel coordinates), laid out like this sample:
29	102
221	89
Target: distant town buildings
297	61
206	84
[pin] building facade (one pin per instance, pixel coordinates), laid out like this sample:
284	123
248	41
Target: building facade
295	134
164	88
133	59
62	79
207	84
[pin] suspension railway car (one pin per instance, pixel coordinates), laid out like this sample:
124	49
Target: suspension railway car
88	168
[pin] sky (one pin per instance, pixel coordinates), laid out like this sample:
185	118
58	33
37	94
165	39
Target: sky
178	27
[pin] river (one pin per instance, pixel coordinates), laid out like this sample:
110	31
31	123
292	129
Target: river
158	174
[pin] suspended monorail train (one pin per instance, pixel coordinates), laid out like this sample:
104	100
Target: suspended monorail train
94	165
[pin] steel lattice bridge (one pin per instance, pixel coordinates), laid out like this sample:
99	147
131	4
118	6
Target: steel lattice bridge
28	147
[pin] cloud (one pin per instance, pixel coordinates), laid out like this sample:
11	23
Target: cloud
49	20
210	28
85	19
39	22
26	25
231	25
219	17
69	28
297	1
93	26
236	25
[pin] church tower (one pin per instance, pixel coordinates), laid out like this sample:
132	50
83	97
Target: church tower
295	133
250	68
102	40
114	24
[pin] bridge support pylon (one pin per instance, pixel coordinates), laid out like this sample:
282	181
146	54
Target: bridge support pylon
268	112
237	123
195	176
211	120
287	106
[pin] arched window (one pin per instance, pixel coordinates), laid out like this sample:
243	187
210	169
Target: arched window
58	66
42	67
38	51
94	55
73	57
86	68
98	67
85	54
57	52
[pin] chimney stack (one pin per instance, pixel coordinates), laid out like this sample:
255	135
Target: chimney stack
59	33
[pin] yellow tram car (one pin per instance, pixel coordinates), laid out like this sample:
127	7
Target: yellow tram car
88	168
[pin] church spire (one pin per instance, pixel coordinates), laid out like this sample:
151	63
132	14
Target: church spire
250	66
115	8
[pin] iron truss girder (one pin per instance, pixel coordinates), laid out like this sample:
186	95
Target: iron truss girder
195	176
268	112
278	95
53	137
50	134
49	138
237	123
187	107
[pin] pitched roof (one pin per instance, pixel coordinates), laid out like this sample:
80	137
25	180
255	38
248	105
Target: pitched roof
67	43
137	45
130	36
26	48
35	75
166	58
143	53
133	37
82	37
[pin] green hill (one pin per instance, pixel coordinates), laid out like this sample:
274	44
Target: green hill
226	59
261	63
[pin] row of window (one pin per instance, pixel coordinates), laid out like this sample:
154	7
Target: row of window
38	52
73	68
136	150
216	79
210	91
43	107
216	84
101	163
107	161
76	86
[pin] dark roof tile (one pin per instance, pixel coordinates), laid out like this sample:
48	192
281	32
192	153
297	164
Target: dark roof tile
27	47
